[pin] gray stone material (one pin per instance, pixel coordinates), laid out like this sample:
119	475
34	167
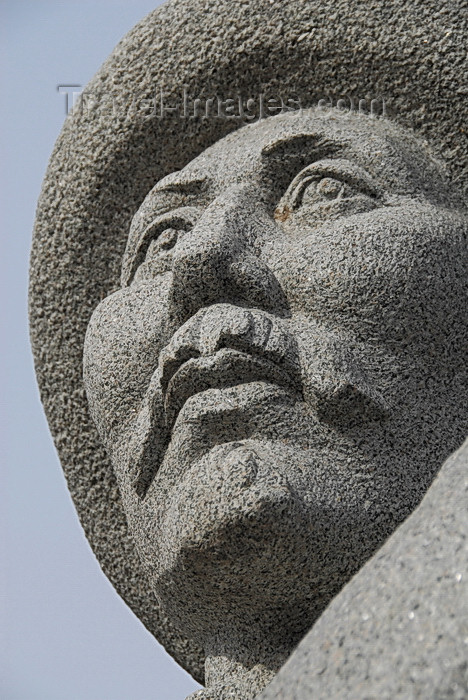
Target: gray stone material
399	629
372	345
280	373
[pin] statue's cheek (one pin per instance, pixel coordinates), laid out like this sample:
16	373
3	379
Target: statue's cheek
338	278
122	346
378	273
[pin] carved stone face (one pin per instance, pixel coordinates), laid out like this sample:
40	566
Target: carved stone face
276	379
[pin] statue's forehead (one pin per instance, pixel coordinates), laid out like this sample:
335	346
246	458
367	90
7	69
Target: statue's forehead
245	149
369	142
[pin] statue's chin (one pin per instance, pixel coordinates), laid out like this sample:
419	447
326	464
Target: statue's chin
237	536
227	505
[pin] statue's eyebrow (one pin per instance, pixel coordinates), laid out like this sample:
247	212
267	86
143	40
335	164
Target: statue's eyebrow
300	146
171	185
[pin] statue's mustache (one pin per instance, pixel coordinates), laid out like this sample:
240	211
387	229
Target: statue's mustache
223	326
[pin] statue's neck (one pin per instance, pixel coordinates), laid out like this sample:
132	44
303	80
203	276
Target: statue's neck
239	666
243	680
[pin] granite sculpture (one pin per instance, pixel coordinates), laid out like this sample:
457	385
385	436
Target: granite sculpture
276	379
275	356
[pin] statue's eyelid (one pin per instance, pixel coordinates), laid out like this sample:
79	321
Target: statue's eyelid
156	228
344	171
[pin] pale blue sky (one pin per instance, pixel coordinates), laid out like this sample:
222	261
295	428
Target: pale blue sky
68	635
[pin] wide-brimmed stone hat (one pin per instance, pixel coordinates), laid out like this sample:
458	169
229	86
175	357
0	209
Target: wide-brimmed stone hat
136	123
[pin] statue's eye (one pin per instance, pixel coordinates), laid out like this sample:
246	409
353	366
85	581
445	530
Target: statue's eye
329	187
330	183
151	248
326	188
162	235
164	241
155	257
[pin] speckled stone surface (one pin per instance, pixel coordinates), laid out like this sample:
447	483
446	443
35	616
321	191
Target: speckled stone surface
107	160
399	629
280	373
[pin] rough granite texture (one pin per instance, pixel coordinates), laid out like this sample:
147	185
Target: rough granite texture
280	373
399	629
106	161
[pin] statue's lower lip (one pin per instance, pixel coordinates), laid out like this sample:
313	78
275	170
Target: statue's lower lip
226	368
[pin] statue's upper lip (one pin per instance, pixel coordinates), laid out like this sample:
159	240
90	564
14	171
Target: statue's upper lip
226	368
222	346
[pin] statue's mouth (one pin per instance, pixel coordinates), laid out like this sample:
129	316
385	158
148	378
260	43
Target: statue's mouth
224	369
223	346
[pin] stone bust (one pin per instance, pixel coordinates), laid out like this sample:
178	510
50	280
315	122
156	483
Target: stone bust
277	380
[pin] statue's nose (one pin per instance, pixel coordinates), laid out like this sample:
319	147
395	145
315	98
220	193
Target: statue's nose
218	261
